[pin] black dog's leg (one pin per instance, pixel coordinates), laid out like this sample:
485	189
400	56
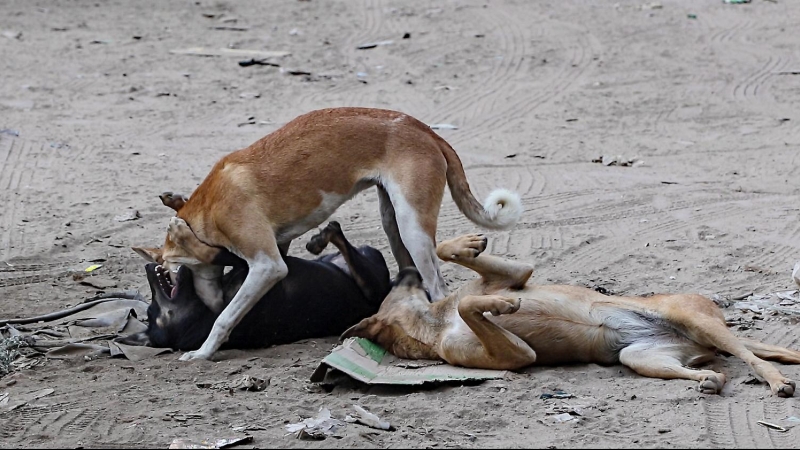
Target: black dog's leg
361	267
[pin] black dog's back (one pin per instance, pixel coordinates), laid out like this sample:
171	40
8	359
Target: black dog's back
318	298
303	306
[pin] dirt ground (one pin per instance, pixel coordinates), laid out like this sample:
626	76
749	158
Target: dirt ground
705	94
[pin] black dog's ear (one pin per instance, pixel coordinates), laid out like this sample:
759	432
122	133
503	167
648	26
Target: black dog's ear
409	277
140	339
365	329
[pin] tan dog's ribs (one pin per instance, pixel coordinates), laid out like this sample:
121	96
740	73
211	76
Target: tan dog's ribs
499	349
497	273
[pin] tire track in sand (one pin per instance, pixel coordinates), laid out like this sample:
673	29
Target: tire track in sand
733	424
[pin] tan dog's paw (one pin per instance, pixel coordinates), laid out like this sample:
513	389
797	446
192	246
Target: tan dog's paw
498	305
464	247
179	231
712	384
785	389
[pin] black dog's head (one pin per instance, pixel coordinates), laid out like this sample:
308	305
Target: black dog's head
176	317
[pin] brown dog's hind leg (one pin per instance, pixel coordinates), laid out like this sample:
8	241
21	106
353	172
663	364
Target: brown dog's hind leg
500	273
666	360
498	348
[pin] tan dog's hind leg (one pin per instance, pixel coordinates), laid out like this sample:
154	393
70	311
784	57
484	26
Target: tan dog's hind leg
772	352
499	273
665	360
499	348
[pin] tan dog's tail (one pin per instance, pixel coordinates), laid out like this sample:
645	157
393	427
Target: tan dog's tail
501	209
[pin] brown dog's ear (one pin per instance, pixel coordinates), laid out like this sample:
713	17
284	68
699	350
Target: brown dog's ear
150	254
173	200
364	329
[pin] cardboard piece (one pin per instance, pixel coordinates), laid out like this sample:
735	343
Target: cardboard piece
237	52
369	363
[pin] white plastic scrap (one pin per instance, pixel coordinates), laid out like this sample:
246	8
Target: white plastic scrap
322	425
369	419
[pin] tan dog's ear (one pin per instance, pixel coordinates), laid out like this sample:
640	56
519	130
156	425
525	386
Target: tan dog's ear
173	200
363	329
150	254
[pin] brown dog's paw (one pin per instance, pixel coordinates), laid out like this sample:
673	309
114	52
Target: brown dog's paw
785	389
468	246
712	384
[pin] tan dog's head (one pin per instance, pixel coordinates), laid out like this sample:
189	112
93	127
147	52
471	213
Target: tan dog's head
402	325
171	256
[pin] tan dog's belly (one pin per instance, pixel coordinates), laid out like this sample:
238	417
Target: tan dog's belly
566	324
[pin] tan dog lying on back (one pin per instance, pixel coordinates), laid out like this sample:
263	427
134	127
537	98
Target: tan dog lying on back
256	200
657	336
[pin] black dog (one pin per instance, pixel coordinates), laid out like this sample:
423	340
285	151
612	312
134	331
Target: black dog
318	298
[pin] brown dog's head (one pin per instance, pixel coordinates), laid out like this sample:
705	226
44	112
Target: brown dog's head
402	324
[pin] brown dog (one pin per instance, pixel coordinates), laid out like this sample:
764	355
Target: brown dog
256	200
657	336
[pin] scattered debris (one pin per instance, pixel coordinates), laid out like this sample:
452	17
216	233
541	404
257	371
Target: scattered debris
316	428
369	419
9	352
250	121
246	383
12	34
376	44
369	363
250	95
92	268
618	160
736	2
691	16
561	418
210	443
752	380
407	36
295	71
230	28
127	216
21	400
654	5
99	282
239	52
513	155
443	126
257	62
772	426
557	394
10	132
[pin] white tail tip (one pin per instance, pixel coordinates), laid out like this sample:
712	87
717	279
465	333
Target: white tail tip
503	208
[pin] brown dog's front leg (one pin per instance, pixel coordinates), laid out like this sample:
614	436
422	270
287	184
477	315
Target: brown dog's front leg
499	349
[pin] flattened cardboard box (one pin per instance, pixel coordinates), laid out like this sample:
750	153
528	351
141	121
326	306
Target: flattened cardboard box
369	363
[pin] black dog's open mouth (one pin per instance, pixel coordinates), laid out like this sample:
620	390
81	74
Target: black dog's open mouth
166	283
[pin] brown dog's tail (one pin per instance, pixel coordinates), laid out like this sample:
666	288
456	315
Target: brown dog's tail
501	209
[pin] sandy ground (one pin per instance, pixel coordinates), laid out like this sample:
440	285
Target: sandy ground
107	118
